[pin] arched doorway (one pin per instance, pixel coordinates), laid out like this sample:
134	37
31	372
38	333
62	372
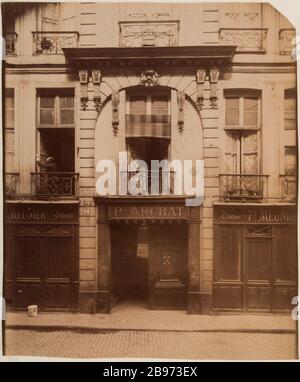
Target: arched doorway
149	247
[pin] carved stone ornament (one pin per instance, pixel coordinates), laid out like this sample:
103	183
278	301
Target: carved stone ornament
97	78
214	77
180	101
149	78
149	33
115	112
83	79
200	79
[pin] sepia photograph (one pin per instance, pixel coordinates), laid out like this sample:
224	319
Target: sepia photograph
150	178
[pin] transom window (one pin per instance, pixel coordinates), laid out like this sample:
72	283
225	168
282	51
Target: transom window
242	111
56	109
148	105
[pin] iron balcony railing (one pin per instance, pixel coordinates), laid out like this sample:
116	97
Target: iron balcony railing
11	183
288	188
51	43
10	43
54	184
154	182
243	186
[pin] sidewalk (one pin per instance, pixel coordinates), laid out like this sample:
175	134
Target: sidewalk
135	316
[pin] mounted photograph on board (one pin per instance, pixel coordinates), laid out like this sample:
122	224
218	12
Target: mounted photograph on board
150	180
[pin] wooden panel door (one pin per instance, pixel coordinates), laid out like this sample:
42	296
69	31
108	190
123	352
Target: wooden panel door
58	273
29	272
167	286
44	270
258	273
228	275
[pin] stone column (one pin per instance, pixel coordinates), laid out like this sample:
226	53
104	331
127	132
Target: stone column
104	292
193	282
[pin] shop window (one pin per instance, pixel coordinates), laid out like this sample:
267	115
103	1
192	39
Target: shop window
290	109
285	247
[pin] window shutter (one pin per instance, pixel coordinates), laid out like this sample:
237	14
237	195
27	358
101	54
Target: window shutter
250	153
231	155
290	110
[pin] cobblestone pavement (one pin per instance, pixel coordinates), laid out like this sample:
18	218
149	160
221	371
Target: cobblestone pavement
149	344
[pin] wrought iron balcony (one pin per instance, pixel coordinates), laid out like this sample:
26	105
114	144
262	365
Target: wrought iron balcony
248	40
51	43
161	182
54	184
11	181
243	187
288	187
10	43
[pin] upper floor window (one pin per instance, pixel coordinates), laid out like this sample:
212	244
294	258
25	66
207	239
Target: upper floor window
9	109
290	109
148	115
50	16
242	111
56	109
290	163
242	122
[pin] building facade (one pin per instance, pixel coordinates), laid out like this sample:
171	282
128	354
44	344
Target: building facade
213	82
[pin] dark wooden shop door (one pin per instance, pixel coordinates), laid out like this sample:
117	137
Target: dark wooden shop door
167	269
258	273
43	273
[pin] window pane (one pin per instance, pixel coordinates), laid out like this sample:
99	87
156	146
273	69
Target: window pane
67	117
66	102
47	116
290	161
250	111
159	105
290	106
231	150
47	102
232	111
9	118
9	100
138	105
250	155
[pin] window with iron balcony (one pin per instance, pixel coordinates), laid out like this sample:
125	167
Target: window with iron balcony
148	132
242	179
55	176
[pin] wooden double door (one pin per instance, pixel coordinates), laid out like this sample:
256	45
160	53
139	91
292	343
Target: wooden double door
149	263
255	267
45	272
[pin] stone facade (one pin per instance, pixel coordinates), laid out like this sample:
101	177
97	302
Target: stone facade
59	48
